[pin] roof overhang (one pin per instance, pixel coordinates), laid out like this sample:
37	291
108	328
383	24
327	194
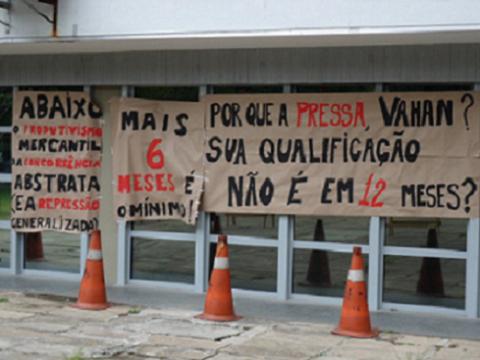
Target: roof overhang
283	38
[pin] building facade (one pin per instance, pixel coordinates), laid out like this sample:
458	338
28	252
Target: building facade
182	50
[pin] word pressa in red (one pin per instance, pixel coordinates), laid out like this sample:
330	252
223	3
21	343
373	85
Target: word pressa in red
331	115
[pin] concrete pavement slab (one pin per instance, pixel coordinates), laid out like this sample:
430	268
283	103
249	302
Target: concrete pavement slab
133	332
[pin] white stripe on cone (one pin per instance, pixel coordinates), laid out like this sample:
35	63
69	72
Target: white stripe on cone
356	275
94	255
221	263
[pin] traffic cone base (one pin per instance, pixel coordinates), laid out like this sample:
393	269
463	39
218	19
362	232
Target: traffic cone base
86	306
92	294
356	334
212	317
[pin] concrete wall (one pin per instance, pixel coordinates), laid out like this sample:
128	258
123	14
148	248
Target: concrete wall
126	17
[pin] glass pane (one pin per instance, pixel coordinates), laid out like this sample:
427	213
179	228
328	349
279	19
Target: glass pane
264	226
163	260
5	196
324	273
353	230
5	153
430	233
253	268
334	88
4	248
5	107
163	225
254	89
177	93
54	251
424	281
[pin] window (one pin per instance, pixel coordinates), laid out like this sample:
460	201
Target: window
322	253
412	272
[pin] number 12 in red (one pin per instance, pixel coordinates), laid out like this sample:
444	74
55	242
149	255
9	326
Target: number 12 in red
380	187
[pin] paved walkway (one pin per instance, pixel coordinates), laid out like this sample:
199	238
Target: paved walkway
47	327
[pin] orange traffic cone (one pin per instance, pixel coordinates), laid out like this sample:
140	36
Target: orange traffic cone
219	302
355	318
431	279
92	295
318	273
33	246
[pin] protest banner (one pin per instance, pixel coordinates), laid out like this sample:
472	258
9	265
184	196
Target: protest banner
56	160
358	154
157	159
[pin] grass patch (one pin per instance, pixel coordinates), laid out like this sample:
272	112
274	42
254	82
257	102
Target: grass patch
3	300
134	310
77	356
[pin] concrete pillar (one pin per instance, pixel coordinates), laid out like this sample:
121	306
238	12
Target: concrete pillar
101	95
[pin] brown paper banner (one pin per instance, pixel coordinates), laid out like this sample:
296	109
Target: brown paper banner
57	145
363	154
157	159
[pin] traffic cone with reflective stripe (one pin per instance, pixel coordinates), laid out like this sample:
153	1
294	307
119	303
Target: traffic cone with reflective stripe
355	318
93	295
219	302
33	246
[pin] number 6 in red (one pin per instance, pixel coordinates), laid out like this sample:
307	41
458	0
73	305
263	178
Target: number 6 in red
155	158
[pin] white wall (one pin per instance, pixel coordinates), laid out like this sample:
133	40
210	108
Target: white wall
140	17
24	22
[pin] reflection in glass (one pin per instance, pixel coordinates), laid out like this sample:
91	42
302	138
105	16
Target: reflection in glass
322	273
5	191
253	268
163	225
424	281
53	251
449	233
263	226
5	153
4	248
5	106
352	230
163	260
